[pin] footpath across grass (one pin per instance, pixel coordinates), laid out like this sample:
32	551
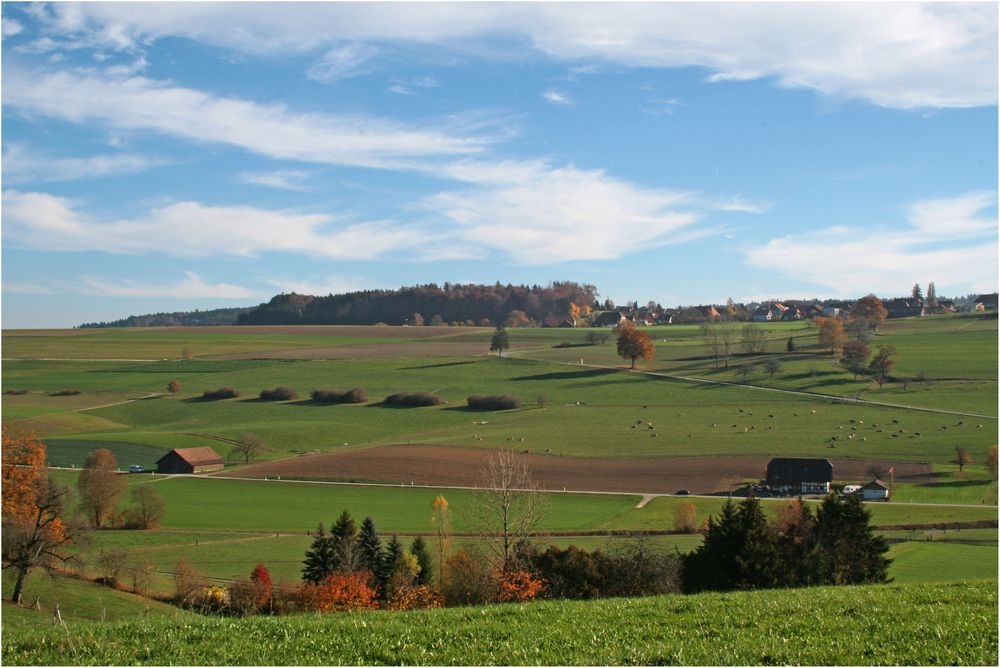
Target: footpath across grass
904	624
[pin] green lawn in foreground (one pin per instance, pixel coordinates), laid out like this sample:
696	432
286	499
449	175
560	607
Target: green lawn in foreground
905	624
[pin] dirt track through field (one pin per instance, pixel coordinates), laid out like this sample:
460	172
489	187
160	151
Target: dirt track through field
452	466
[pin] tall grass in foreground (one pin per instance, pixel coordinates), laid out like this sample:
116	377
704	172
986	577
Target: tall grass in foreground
912	624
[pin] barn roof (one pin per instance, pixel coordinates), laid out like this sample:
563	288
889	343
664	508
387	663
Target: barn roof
799	469
195	456
875	484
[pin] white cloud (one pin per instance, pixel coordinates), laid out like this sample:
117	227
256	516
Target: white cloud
20	288
898	54
10	27
329	285
190	287
661	106
553	96
537	214
342	62
282	179
190	229
949	241
138	103
22	164
406	87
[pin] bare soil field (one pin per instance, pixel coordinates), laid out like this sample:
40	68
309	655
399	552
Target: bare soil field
450	466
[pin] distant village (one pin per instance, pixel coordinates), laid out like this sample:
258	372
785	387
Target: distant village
771	311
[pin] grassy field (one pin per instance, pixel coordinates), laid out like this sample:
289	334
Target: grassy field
906	624
586	412
78	602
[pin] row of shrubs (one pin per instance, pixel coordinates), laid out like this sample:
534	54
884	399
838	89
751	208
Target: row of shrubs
496	402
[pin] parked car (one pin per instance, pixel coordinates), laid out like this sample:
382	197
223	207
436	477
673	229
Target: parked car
681	492
851	489
135	468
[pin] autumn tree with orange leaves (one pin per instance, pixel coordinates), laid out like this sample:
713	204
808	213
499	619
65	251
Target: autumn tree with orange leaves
34	533
340	592
633	344
871	309
101	487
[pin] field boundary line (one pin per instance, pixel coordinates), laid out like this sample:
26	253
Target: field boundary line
801	393
650	495
117	403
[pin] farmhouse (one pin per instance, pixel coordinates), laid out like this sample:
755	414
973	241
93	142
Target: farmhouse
609	319
189	460
875	490
559	321
986	302
799	475
904	308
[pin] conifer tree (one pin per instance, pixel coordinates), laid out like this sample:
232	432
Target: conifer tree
712	566
797	545
393	555
343	534
369	548
757	559
319	561
848	549
418	548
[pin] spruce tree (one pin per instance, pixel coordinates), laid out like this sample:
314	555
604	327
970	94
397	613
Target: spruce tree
712	565
797	546
369	548
757	559
393	556
790	346
319	561
418	548
849	550
342	537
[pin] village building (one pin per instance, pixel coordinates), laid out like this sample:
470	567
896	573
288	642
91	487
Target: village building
986	302
190	460
609	319
875	491
799	475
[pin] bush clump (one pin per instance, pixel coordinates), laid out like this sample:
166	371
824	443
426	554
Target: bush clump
221	393
353	396
413	399
494	402
15	391
278	394
64	393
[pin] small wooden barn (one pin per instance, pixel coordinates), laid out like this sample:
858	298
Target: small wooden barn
190	460
799	475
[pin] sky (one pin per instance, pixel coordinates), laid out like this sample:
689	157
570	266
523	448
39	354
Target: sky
166	157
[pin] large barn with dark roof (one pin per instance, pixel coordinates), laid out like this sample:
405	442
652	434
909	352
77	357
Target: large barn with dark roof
799	475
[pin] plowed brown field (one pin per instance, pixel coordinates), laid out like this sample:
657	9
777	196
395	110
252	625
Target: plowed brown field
460	467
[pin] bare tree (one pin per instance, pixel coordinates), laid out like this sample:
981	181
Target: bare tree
508	506
772	366
753	339
248	446
720	338
962	456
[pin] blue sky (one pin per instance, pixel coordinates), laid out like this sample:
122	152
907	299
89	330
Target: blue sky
161	157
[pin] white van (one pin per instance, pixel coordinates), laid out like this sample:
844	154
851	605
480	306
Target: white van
851	489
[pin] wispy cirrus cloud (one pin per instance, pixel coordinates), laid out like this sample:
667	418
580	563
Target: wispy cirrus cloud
952	241
272	130
927	54
282	179
343	62
557	97
22	164
191	229
192	286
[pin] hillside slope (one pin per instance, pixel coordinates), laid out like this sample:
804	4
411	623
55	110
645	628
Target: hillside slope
940	624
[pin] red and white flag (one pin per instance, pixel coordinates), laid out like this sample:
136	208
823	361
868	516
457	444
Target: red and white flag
890	470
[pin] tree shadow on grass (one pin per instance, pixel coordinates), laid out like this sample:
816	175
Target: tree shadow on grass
433	366
568	375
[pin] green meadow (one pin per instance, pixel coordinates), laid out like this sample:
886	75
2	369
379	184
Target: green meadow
907	624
